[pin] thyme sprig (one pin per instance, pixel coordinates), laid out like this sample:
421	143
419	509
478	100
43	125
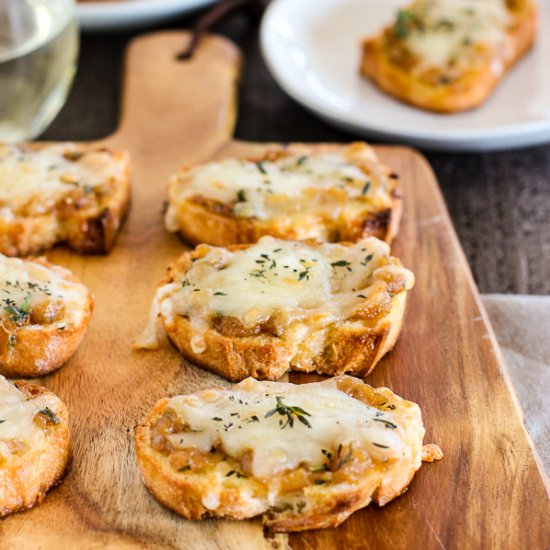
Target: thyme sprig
367	259
342	263
19	315
388	424
304	274
406	22
334	464
342	460
50	415
291	413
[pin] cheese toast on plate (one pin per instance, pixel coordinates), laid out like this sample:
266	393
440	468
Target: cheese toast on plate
448	55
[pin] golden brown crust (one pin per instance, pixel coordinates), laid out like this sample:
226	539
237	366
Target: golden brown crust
25	478
314	506
203	221
86	226
35	350
464	93
346	347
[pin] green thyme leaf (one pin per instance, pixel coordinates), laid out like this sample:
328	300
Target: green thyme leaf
50	415
406	21
290	413
367	259
388	424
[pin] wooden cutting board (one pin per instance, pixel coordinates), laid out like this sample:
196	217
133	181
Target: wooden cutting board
486	493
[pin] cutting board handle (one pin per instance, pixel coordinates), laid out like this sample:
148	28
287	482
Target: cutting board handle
202	91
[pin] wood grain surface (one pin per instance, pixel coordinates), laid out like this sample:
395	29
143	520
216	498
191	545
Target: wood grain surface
486	493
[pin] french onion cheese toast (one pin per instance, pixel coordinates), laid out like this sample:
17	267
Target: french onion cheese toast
34	444
302	456
448	55
44	312
328	193
61	193
259	310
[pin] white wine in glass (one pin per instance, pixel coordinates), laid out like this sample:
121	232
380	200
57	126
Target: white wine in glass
38	53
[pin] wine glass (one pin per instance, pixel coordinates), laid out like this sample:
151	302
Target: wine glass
38	53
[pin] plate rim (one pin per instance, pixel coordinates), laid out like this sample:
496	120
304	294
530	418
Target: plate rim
130	14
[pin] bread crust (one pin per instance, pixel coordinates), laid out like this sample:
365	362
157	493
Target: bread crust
314	506
203	221
351	346
87	228
346	349
37	350
25	478
466	92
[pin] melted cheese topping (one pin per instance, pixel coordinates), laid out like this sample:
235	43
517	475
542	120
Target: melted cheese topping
37	180
267	189
306	286
25	284
239	420
444	32
17	416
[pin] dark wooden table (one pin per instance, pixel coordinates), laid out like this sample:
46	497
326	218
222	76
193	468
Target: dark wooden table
499	202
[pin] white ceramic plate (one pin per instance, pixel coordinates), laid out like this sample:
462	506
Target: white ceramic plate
132	14
312	49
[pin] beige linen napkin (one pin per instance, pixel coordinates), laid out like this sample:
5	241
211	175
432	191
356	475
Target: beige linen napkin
522	326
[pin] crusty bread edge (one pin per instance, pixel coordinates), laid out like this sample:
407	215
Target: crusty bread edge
97	234
197	224
42	468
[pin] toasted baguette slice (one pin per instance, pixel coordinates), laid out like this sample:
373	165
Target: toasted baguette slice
34	444
330	193
448	55
303	457
61	193
260	310
44	312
